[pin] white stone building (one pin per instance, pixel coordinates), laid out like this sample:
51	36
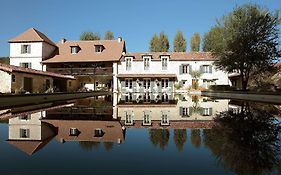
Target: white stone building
30	48
159	72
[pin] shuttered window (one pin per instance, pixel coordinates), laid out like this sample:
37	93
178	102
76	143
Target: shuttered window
26	48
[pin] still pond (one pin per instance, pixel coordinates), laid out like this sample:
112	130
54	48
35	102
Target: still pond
163	134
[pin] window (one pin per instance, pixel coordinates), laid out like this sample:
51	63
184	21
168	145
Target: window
165	98
13	78
98	132
24	133
165	83
99	48
146	63
164	63
25	65
74	49
129	83
25	117
73	132
128	63
186	69
146	119
206	111
164	119
185	112
146	97
146	83
25	48
69	83
129	119
97	84
206	69
129	98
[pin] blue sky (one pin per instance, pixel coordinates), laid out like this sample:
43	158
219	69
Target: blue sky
135	20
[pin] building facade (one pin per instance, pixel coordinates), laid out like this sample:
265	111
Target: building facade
163	72
105	65
92	63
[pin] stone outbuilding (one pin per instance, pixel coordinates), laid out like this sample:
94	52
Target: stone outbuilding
15	79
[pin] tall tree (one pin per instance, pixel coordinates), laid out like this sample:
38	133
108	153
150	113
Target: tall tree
108	35
195	42
85	36
179	42
180	138
251	37
213	39
154	44
163	42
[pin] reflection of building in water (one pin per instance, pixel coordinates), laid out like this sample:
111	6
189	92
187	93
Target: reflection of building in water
173	111
89	108
88	130
87	120
28	133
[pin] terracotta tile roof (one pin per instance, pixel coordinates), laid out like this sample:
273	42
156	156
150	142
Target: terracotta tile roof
112	130
29	146
147	76
177	56
112	51
11	68
32	35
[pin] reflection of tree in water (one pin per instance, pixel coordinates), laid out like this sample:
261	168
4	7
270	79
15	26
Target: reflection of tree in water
108	146
180	138
89	145
245	142
195	138
159	137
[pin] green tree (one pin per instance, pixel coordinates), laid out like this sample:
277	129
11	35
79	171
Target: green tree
5	60
195	42
163	42
180	138
179	42
154	44
251	37
85	36
108	35
159	137
195	138
213	40
251	132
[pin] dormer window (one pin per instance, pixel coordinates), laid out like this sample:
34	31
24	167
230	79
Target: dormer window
99	48
128	63
146	63
74	49
164	61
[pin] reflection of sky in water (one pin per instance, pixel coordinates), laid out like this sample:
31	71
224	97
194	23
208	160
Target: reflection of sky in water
139	153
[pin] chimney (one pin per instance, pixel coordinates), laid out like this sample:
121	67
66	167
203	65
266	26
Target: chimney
63	40
119	39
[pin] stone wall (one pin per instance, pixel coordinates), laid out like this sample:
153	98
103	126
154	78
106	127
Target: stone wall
5	81
38	82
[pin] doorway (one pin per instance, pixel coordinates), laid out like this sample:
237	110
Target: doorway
27	84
